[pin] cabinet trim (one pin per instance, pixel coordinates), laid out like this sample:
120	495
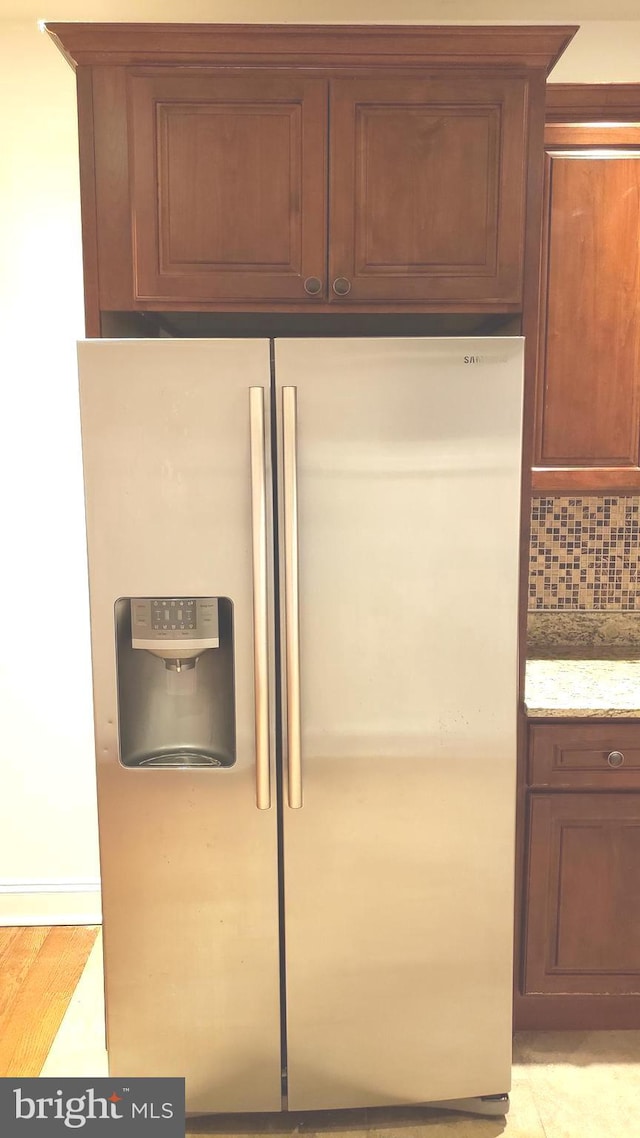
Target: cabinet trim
593	102
576	1013
291	44
586	480
88	205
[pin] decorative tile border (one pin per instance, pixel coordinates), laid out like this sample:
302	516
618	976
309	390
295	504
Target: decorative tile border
585	553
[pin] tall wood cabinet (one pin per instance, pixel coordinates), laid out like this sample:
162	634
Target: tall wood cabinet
588	375
317	169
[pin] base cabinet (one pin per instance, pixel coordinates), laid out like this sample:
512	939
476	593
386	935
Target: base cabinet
580	955
583	913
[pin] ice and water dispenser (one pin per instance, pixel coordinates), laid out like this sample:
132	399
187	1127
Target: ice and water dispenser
176	695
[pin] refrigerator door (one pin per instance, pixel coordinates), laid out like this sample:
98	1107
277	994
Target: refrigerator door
404	485
189	862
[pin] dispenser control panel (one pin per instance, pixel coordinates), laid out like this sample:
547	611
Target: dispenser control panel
182	622
173	613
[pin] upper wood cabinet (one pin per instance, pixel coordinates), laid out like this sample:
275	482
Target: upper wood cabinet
588	383
310	168
229	188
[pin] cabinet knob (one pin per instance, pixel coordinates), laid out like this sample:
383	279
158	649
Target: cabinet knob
341	286
313	285
615	759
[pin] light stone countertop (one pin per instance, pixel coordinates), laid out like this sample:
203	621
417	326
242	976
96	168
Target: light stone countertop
574	688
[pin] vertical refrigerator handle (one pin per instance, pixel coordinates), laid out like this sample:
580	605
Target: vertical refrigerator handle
292	625
260	588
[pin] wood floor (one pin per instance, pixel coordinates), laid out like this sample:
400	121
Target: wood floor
39	970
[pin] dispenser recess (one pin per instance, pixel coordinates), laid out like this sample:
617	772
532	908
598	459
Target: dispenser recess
176	699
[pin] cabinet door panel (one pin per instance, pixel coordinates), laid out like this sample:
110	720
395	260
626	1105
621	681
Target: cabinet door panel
229	194
419	201
583	921
588	420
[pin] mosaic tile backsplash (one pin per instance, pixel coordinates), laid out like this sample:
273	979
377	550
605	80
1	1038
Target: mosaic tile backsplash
585	553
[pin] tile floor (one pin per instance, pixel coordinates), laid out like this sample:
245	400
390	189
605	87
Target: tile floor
565	1085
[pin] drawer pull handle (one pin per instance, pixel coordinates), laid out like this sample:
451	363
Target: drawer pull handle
615	759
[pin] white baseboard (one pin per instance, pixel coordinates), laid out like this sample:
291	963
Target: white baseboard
61	902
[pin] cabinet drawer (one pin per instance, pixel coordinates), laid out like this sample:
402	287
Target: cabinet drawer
593	756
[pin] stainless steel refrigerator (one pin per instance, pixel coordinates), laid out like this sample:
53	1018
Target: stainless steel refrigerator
307	838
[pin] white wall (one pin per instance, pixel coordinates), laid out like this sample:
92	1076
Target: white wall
602	52
48	841
47	808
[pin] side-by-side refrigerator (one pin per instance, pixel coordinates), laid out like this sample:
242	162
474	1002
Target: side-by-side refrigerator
303	563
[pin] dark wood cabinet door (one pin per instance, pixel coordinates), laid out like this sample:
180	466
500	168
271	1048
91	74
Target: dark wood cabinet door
582	910
588	389
228	186
427	190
